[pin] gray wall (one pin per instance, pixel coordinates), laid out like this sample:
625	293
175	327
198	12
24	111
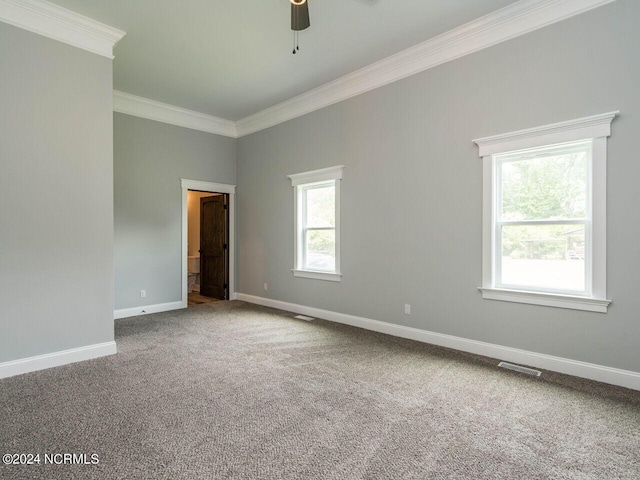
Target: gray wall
56	196
149	160
412	189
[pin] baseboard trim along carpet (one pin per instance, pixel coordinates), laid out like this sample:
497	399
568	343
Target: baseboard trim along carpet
614	376
56	359
146	309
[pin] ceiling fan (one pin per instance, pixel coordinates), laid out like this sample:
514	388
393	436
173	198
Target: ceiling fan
300	18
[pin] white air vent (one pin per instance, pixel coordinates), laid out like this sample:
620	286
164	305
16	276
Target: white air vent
304	317
518	368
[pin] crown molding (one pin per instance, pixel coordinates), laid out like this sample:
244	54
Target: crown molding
53	21
509	22
165	113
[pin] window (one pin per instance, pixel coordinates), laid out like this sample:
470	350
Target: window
317	223
544	239
543	225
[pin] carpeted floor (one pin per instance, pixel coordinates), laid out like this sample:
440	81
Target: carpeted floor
231	390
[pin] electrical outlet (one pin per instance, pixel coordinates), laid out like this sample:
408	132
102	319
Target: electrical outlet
265	286
143	293
407	309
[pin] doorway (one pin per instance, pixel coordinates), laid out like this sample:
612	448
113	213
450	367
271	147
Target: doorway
207	242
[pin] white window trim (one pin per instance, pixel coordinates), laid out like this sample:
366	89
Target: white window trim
596	128
303	179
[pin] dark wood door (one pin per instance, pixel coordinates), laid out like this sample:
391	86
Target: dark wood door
214	251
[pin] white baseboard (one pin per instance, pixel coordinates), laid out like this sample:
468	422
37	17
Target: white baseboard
144	310
56	359
614	376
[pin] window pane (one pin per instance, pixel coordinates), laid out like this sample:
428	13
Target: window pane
320	251
551	185
544	256
321	206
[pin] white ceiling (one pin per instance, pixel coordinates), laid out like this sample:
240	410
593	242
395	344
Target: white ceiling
232	58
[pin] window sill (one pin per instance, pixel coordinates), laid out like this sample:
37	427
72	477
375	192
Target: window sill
332	277
547	299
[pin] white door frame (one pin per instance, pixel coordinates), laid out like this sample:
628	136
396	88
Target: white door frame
198	185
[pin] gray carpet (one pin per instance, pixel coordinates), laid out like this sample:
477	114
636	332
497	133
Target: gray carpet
231	390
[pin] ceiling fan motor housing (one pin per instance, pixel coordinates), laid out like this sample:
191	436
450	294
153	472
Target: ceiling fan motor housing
300	17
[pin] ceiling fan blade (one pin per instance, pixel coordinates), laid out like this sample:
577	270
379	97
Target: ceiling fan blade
300	17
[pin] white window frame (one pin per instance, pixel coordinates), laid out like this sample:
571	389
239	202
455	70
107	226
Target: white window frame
595	128
300	182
